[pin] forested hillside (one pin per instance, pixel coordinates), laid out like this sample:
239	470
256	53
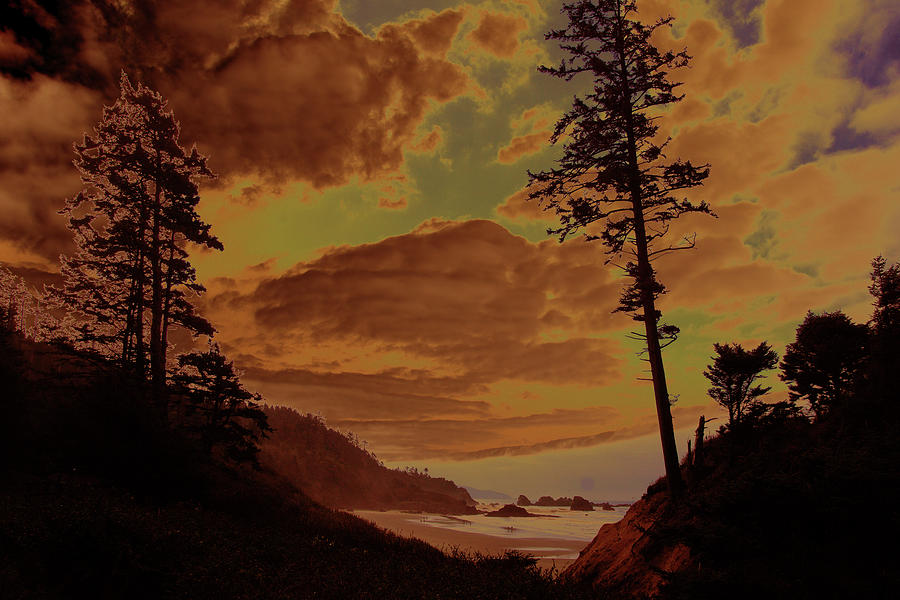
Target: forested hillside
332	469
790	499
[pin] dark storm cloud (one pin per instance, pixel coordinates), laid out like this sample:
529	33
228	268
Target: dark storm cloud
872	50
742	18
290	90
285	91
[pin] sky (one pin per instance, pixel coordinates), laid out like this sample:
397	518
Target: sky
382	266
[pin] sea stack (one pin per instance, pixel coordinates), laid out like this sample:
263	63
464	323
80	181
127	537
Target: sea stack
579	503
510	510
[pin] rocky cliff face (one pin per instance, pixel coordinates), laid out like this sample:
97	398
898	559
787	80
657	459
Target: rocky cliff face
627	562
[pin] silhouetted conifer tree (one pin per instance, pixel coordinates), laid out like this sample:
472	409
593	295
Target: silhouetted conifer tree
734	372
230	417
613	171
130	276
824	363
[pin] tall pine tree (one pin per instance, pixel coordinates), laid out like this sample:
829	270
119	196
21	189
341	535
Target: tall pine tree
615	172
130	278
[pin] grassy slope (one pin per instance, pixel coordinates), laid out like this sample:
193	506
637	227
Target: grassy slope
98	501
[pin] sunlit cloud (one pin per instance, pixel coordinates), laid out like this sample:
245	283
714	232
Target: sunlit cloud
383	264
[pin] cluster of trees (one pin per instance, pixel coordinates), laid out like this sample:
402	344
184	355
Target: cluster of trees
130	282
615	183
831	361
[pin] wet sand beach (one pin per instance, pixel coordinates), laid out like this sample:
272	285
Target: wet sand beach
548	551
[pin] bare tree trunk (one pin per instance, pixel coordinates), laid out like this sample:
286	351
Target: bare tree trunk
157	352
167	296
645	286
139	351
698	443
661	394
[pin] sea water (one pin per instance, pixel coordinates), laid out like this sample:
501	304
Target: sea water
556	522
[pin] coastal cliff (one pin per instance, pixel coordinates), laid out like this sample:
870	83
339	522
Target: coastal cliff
625	559
786	509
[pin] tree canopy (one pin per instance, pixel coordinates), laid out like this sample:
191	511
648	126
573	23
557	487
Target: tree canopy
825	361
733	374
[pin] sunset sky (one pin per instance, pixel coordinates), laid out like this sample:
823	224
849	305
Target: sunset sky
381	264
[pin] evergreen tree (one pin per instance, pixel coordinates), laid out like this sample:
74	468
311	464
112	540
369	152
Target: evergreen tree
230	417
130	276
734	372
824	363
614	172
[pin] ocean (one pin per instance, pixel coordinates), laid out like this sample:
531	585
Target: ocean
560	522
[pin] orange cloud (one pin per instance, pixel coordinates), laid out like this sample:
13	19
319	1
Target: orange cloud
397	204
360	102
523	145
498	33
432	35
465	302
429	142
519	208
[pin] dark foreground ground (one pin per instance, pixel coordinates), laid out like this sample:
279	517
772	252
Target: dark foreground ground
100	499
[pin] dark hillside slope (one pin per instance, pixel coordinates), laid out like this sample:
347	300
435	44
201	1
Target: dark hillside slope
791	510
98	499
333	470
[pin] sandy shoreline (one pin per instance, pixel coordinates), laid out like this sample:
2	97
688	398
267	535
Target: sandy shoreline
548	551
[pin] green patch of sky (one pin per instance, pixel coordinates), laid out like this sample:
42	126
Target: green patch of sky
687	319
723	107
464	178
810	270
764	238
295	227
784	333
807	148
461	180
844	303
762	301
767	104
